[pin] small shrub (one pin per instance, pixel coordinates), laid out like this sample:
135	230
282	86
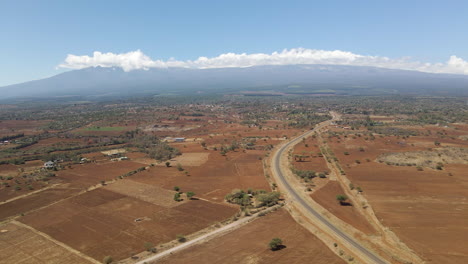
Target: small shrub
107	260
150	247
275	244
177	197
179	167
181	238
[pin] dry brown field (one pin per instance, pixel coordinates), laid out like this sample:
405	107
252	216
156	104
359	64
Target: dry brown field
313	162
326	197
56	141
215	178
85	175
34	201
21	245
67	183
426	209
101	222
28	127
8	170
249	244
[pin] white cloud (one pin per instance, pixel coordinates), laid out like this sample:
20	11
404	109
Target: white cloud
138	60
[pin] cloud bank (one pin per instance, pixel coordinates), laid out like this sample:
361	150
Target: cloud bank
136	60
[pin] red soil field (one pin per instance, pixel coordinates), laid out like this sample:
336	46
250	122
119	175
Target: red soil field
249	244
8	170
313	161
28	127
101	223
426	209
85	175
56	141
7	193
215	178
34	201
326	197
20	245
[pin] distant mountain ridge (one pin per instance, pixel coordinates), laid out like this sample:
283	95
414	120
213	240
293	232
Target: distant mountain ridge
286	79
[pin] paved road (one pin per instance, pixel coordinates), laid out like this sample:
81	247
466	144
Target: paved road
293	194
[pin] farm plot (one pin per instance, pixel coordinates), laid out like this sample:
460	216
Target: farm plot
214	179
105	223
28	127
425	207
249	244
21	245
306	156
146	192
326	197
85	175
35	201
190	159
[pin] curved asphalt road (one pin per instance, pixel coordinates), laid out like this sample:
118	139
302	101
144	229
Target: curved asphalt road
295	196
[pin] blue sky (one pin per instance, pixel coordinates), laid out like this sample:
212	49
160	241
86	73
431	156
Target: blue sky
36	36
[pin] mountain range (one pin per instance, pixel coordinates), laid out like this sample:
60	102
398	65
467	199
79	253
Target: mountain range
99	82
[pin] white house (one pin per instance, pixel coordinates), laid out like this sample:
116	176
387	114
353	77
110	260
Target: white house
49	165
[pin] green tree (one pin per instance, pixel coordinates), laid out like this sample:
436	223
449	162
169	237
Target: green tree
190	195
177	197
275	244
239	197
342	198
269	199
168	164
176	188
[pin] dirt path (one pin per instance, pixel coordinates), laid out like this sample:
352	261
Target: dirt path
218	232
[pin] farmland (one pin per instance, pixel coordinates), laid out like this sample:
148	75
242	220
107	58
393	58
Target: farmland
119	179
413	183
231	249
21	245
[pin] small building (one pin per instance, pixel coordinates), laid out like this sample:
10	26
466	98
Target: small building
49	165
179	139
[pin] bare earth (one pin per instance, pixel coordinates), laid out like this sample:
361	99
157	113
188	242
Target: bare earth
249	244
21	245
